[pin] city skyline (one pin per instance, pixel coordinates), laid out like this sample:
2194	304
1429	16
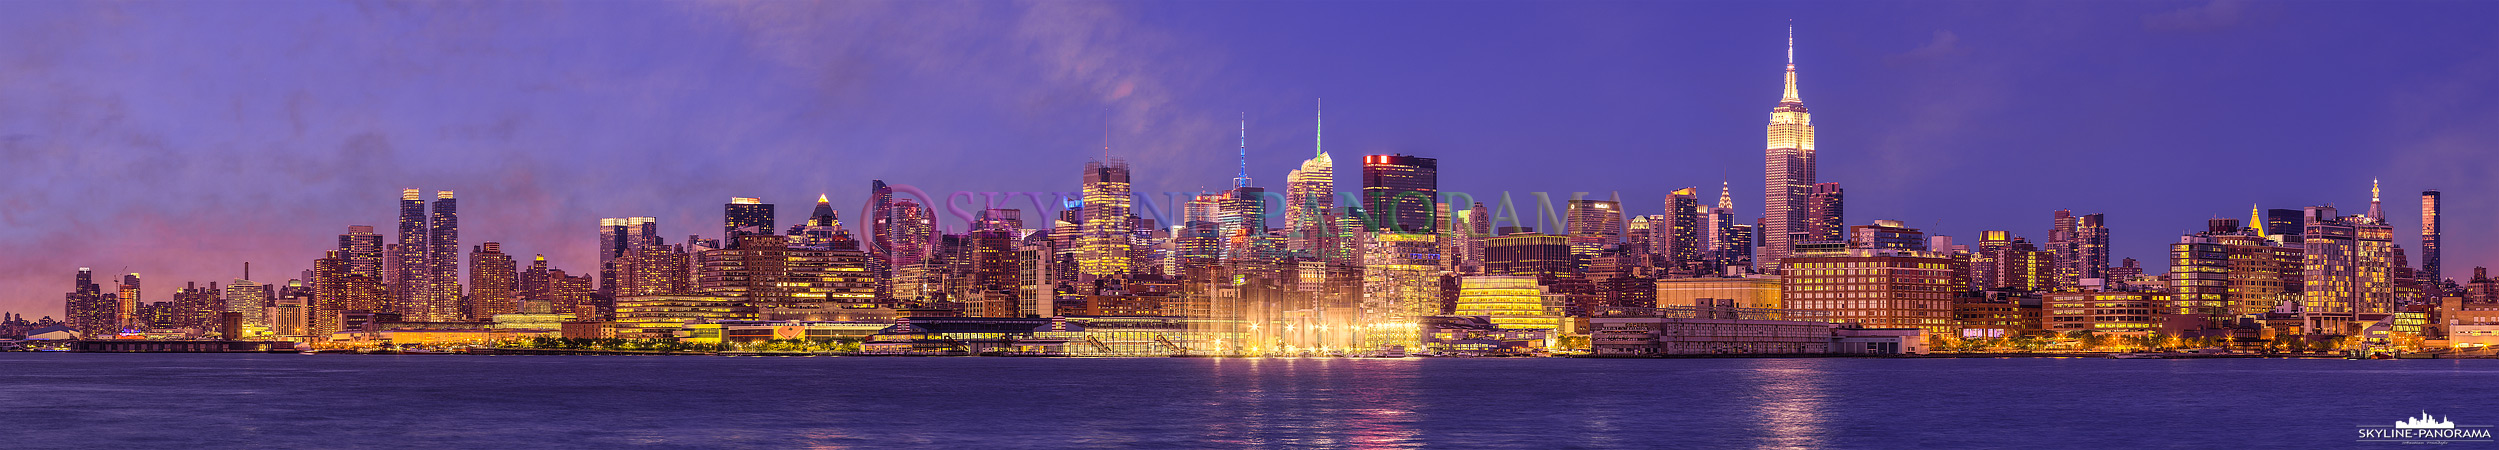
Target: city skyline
530	203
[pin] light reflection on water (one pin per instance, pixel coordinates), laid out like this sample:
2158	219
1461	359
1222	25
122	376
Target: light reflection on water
329	401
1787	398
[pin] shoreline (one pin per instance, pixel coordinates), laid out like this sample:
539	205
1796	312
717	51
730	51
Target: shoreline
590	352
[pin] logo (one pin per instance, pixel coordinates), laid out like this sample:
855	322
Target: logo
2425	430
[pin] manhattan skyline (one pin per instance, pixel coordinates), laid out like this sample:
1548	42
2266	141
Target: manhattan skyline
135	143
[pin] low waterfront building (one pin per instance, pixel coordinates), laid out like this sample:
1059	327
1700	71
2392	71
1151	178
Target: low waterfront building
178	346
757	331
1874	288
1689	330
1051	336
1479	336
1878	341
1997	314
661	316
1760	291
2127	313
1513	302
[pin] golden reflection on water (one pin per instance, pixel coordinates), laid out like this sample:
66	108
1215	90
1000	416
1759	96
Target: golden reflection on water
1789	397
1387	418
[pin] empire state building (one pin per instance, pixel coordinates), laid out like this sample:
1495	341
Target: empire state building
1788	171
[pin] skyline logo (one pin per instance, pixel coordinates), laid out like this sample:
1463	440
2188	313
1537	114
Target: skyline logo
2426	429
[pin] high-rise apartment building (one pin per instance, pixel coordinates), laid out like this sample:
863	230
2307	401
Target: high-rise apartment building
1679	238
1009	220
2080	246
880	235
411	278
914	227
1398	192
127	309
443	254
619	235
363	250
1594	225
1788	172
1825	206
2005	261
249	299
2347	270
745	216
2431	276
91	311
494	282
2229	271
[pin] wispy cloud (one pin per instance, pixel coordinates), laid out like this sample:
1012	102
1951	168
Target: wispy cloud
2213	15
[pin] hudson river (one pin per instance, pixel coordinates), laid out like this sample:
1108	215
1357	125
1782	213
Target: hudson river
55	400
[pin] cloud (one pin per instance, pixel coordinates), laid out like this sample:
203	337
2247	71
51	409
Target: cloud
133	138
1944	45
2214	15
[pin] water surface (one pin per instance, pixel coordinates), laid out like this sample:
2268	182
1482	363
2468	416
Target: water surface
56	400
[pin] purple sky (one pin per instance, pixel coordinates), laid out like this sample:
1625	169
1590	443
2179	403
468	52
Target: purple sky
180	139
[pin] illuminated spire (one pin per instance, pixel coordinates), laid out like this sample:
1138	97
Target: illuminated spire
1789	96
2256	219
821	199
1725	200
2375	213
1318	135
1242	180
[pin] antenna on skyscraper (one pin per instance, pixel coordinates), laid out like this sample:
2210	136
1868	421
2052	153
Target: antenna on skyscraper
1106	135
1242	180
1318	134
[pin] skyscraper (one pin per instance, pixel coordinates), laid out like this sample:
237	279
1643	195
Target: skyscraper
1680	235
1594	225
912	227
2431	278
410	278
443	254
1242	219
1010	220
745	216
127	308
1824	207
89	309
363	250
494	282
881	236
2229	271
1788	171
618	235
250	299
1310	194
2080	245
1725	248
1104	242
2347	269
1398	192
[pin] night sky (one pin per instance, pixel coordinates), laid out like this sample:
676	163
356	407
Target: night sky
182	139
